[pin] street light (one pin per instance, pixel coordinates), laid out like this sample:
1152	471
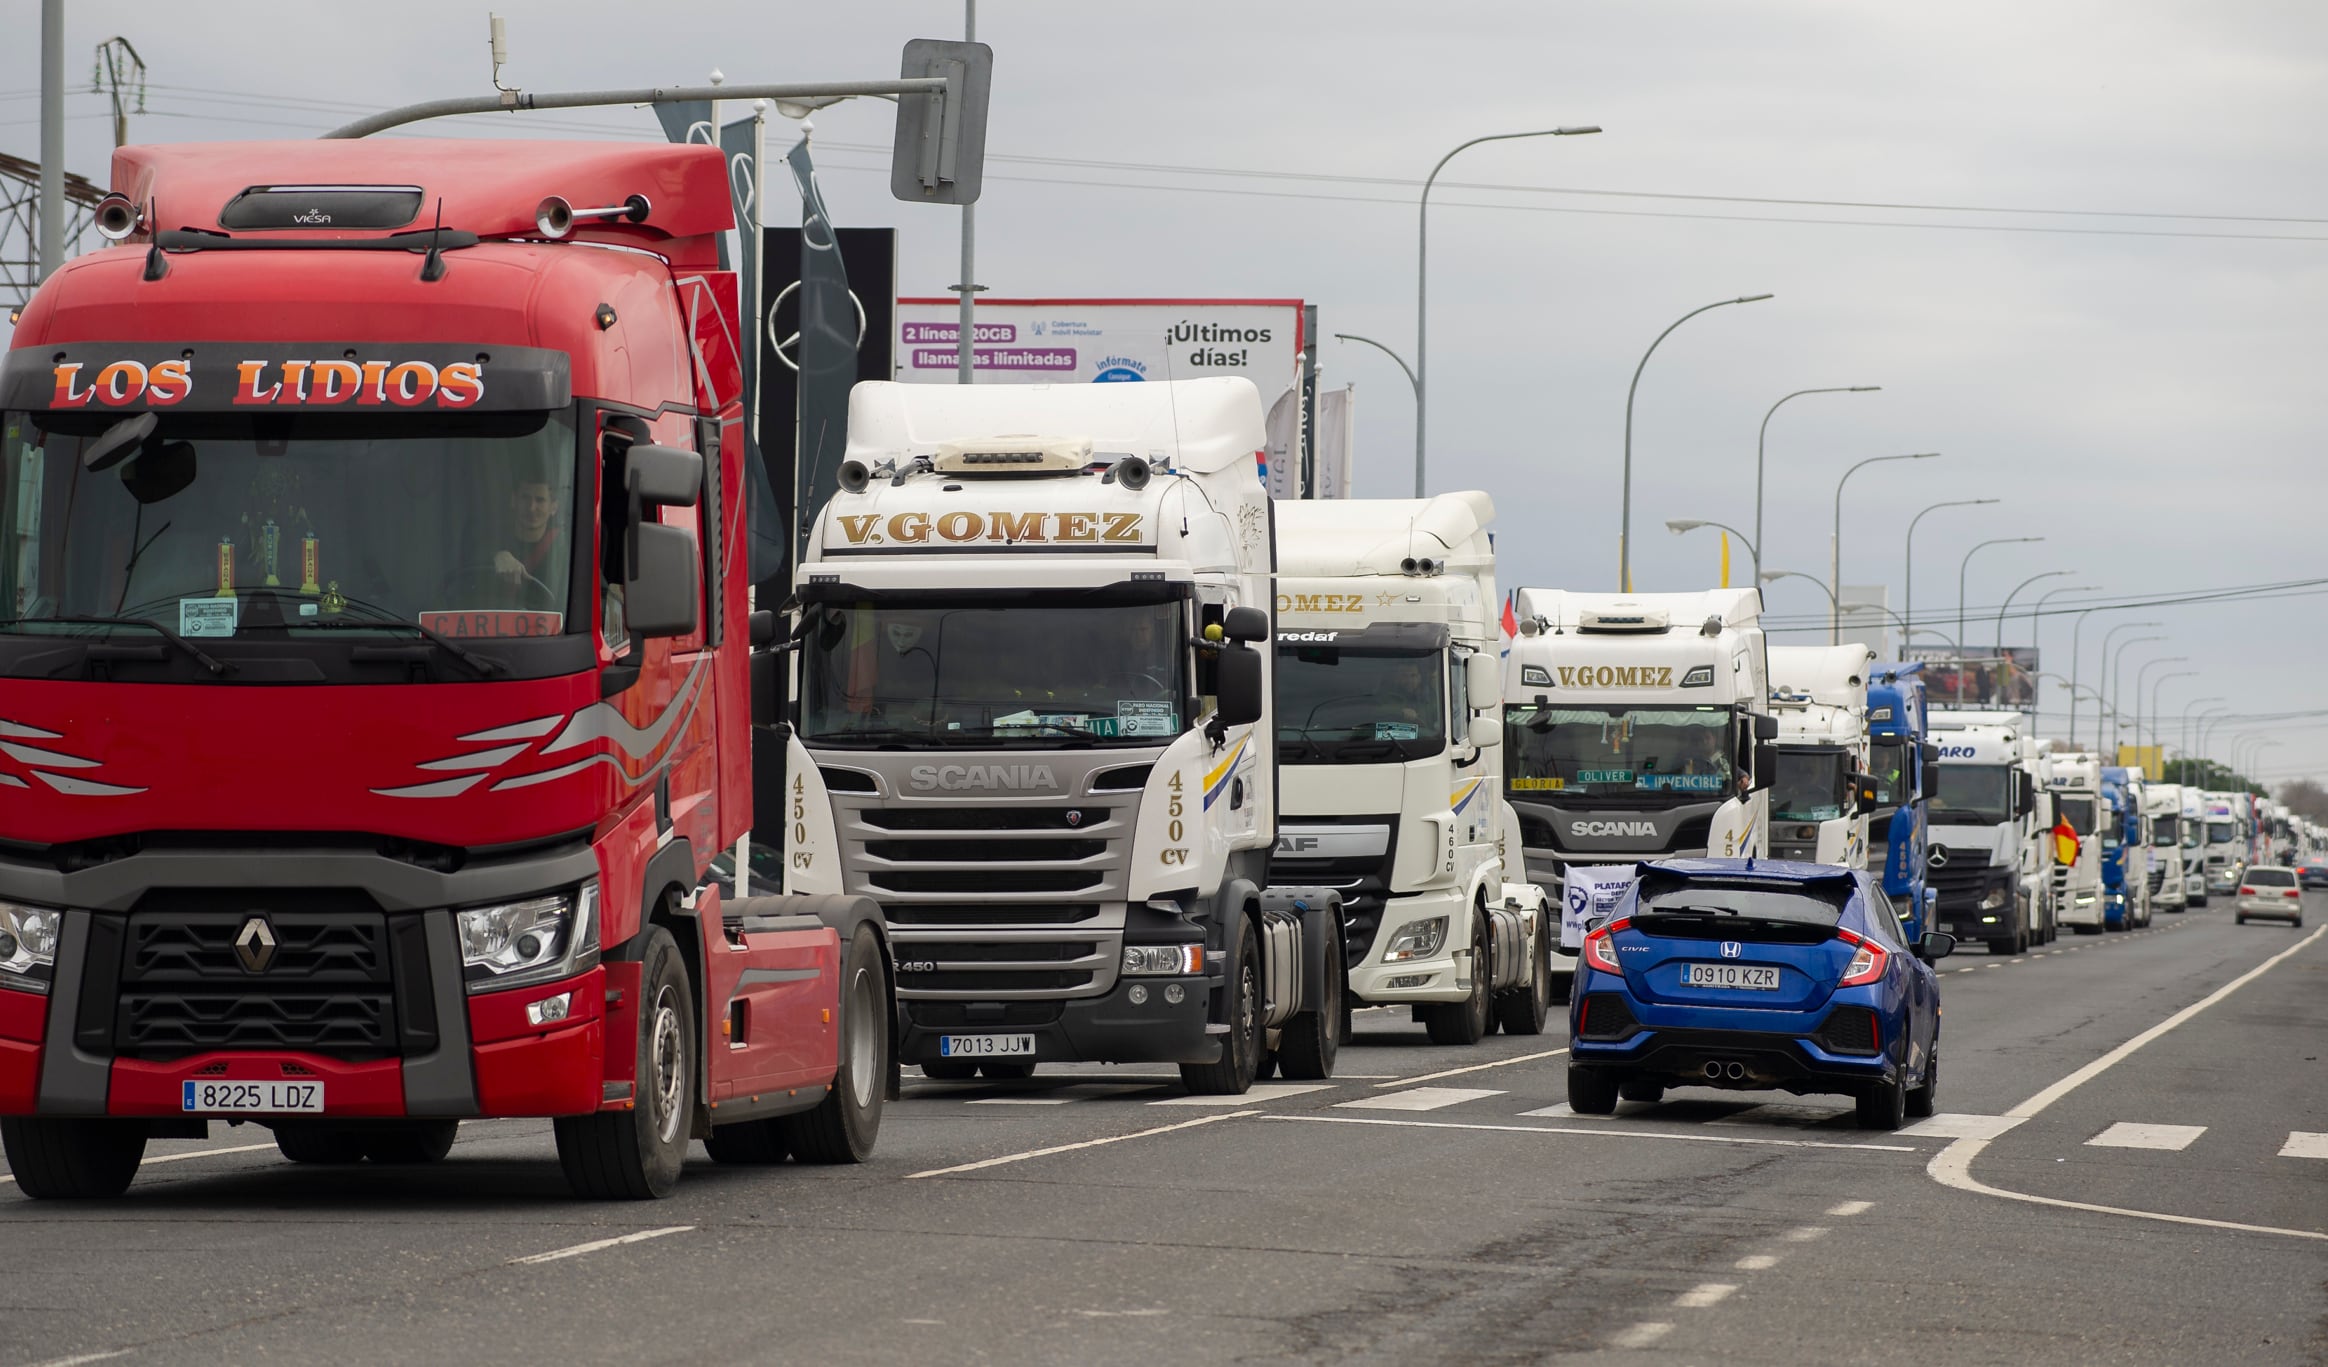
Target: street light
1678	525
1835	545
1625	523
1765	432
1908	608
2139	676
1773	576
1423	261
2114	680
2049	574
1412	383
1966	564
2037	613
2186	720
2156	742
2104	662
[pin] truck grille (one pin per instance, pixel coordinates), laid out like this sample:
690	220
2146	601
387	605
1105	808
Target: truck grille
1961	881
2157	878
1363	881
328	988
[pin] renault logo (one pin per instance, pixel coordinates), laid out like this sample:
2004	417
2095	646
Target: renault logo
1938	858
254	945
1731	949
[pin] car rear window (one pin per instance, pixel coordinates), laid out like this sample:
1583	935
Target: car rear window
1741	909
2271	878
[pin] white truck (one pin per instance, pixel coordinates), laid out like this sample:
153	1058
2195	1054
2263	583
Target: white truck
2074	778
1390	747
2227	833
1637	726
1819	694
1034	724
1990	823
2194	846
2163	803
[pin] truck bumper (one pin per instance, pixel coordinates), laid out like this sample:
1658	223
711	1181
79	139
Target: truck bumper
1443	977
1105	1029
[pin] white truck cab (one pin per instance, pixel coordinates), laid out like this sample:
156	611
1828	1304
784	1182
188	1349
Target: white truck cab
2225	839
2163	802
1819	695
1988	821
2074	778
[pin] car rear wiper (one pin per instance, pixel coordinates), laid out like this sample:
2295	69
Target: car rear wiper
217	667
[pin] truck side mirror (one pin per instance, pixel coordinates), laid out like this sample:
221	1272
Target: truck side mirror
1765	764
1483	681
1929	782
1486	731
659	598
2024	793
1931	751
663	476
1868	790
1245	624
1765	727
1238	681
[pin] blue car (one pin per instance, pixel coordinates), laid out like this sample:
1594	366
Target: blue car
1757	975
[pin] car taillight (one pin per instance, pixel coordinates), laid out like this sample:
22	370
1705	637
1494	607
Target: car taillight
1867	961
1599	951
2246	892
2291	892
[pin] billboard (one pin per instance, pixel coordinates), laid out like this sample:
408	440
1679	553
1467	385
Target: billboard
1075	341
2147	760
1997	678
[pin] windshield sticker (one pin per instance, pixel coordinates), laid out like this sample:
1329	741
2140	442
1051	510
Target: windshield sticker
1604	776
1396	730
1679	783
1136	718
1537	785
207	616
464	624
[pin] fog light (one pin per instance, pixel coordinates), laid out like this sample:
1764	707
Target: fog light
1175	993
1988	920
1138	994
8	945
549	1009
1409	980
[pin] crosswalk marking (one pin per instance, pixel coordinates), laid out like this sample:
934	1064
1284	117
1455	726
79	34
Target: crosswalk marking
1951	1125
1419	1099
1560	1112
1260	1091
2125	1135
2304	1145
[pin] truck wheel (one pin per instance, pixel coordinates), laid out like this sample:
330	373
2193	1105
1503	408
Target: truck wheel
1592	1091
950	1070
1469	1020
1007	1069
635	1155
1240	1060
844	1126
1522	1010
72	1160
416	1142
1313	1039
312	1141
747	1143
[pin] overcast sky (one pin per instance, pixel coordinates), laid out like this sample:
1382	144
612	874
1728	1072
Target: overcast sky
2144	391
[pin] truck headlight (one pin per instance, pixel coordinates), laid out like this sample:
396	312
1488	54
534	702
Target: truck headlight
1992	899
1416	940
28	946
540	939
1157	960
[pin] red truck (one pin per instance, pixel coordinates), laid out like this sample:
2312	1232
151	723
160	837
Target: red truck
376	666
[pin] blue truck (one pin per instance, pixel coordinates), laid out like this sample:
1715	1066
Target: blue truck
2125	845
1901	756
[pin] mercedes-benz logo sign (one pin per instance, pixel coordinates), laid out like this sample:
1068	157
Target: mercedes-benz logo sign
254	945
1731	949
1938	858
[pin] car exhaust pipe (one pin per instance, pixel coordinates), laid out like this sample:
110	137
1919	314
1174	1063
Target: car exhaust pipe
1713	1070
1736	1072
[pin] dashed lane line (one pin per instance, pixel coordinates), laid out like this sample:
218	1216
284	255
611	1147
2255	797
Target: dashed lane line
1259	1092
2126	1135
1641	1335
1756	1262
1748	1141
1846	1209
1707	1293
1419	1099
79	1358
1007	1158
598	1245
1952	1166
1473	1068
2304	1145
1803	1234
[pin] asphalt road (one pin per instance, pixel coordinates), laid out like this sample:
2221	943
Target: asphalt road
2114	1178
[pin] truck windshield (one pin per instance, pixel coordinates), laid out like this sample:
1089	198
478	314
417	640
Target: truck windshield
1348	705
1811	785
218	524
2077	811
905	673
1603	751
2163	829
2219	833
1973	795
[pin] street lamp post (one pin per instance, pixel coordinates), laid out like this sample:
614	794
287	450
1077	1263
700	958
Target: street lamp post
1966	564
2158	742
2113	680
1678	525
2186	721
2140	675
1908	590
2103	663
1625	518
2037	613
1835	544
2049	574
1773	576
1423	261
1761	435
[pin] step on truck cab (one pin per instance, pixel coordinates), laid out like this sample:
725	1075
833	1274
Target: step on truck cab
1819	695
2074	778
2162	805
2125	841
1034	723
1636	727
1904	763
373	683
1390	745
1987	814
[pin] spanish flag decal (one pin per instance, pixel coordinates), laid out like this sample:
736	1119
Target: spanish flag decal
2064	842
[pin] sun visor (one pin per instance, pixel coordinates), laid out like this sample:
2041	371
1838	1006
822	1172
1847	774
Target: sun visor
215	377
1401	636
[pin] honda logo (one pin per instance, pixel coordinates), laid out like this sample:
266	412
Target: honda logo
254	945
1938	858
1731	949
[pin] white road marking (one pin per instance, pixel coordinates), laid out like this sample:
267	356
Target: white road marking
2303	1145
1641	1335
1420	1099
1956	1125
1260	1091
1613	1132
1705	1294
1022	1100
1849	1208
2125	1135
1081	1091
1069	1148
1474	1068
1756	1262
1952	1166
1560	1111
89	1357
1803	1234
596	1245
176	1158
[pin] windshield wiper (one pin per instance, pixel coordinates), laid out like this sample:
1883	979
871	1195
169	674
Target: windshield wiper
383	617
208	661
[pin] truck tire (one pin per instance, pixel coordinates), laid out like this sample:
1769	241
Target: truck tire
845	1125
408	1144
949	1070
1469	1020
747	1143
635	1155
1240	1061
1523	1010
1313	1040
1592	1091
72	1160
316	1141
